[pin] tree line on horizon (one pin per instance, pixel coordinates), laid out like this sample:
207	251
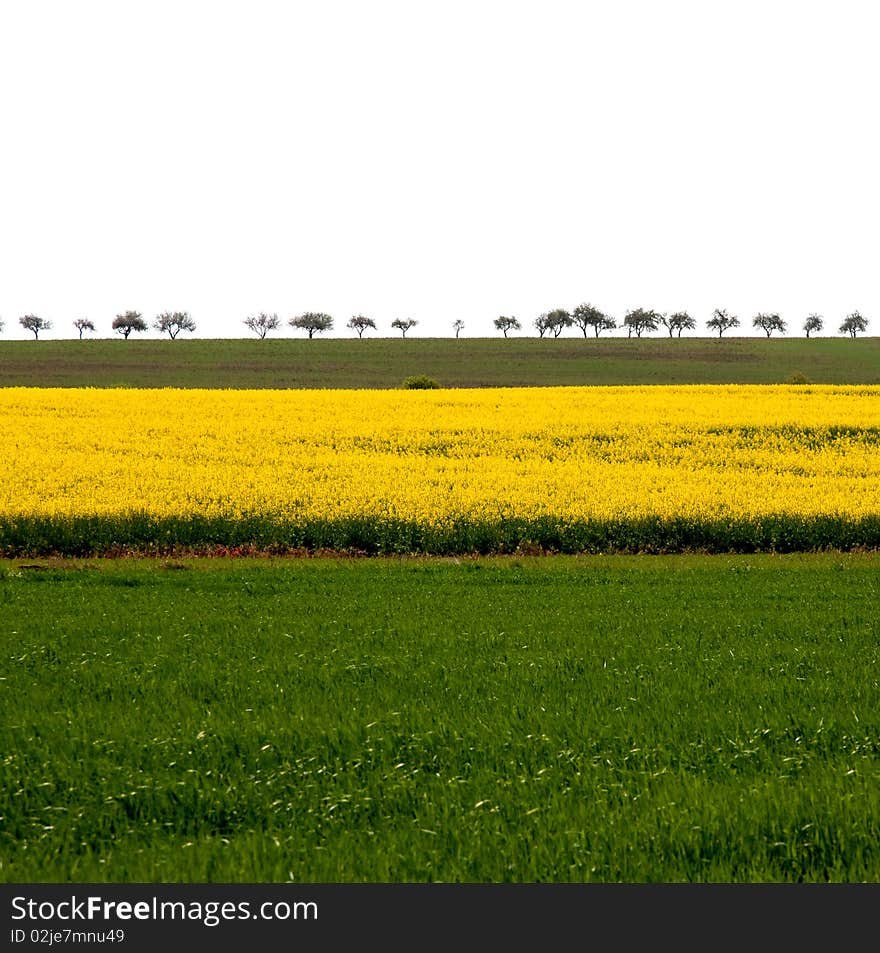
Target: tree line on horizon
586	317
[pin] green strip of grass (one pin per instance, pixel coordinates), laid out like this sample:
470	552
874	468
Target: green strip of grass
605	718
471	362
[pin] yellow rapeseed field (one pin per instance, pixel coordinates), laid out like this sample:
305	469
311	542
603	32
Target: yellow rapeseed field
436	457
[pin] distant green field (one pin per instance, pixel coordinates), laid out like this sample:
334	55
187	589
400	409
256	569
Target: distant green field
557	719
468	362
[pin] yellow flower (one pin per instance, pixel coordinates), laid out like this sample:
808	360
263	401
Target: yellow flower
437	457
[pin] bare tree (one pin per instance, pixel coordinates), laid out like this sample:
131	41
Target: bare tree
457	326
853	323
127	322
640	320
174	322
813	323
721	321
404	324
587	315
314	322
83	324
261	324
360	323
678	321
769	323
30	322
505	324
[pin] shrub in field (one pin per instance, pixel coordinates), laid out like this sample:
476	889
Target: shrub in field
420	382
796	377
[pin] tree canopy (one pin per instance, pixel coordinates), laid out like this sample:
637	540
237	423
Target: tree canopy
312	322
640	320
769	323
34	323
360	323
404	324
678	321
127	322
505	324
173	322
587	316
553	321
853	324
261	324
721	321
83	324
813	323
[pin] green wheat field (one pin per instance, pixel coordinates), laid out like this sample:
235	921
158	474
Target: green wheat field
468	362
556	718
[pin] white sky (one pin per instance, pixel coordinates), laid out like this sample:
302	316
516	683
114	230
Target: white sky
437	160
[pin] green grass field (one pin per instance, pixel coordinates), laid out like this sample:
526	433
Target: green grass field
537	719
471	362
